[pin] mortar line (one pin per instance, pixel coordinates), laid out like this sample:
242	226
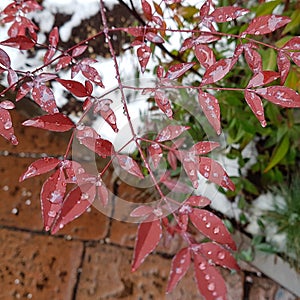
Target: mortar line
79	271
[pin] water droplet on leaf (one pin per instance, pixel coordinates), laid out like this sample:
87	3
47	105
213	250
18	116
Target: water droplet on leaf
51	213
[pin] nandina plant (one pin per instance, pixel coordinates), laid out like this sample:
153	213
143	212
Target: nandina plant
71	189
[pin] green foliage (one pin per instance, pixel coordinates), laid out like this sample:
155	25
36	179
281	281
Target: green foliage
286	217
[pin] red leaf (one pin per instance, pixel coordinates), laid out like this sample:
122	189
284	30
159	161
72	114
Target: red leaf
103	108
211	108
129	165
190	164
170	132
187	44
147	10
48	55
54	37
209	281
135	31
205	55
180	264
253	59
141	211
154	38
100	146
214	172
295	56
266	24
52	195
40	166
212	227
172	159
217	71
6	126
63	62
79	50
53	41
178	70
24	90
75	87
148	237
6	104
283	64
83	132
155	153
175	185
44	77
75	204
163	103
92	74
219	255
110	117
227	13
143	54
292	44
206	38
89	87
55	122
4	59
280	95
204	147
44	97
204	10
12	77
256	106
199	201
19	42
262	78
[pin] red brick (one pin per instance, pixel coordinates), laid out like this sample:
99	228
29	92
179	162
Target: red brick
106	275
262	289
24	198
34	140
37	267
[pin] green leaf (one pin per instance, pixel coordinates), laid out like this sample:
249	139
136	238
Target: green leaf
267	7
279	153
269	59
264	247
294	23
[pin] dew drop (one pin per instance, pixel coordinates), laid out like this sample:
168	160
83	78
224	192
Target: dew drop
15	211
216	230
259	113
211	286
221	255
84	196
208	225
204	218
192	173
207	277
202	266
28	202
206	175
158	212
51	213
56	197
80	171
8	125
178	271
14	140
61	226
